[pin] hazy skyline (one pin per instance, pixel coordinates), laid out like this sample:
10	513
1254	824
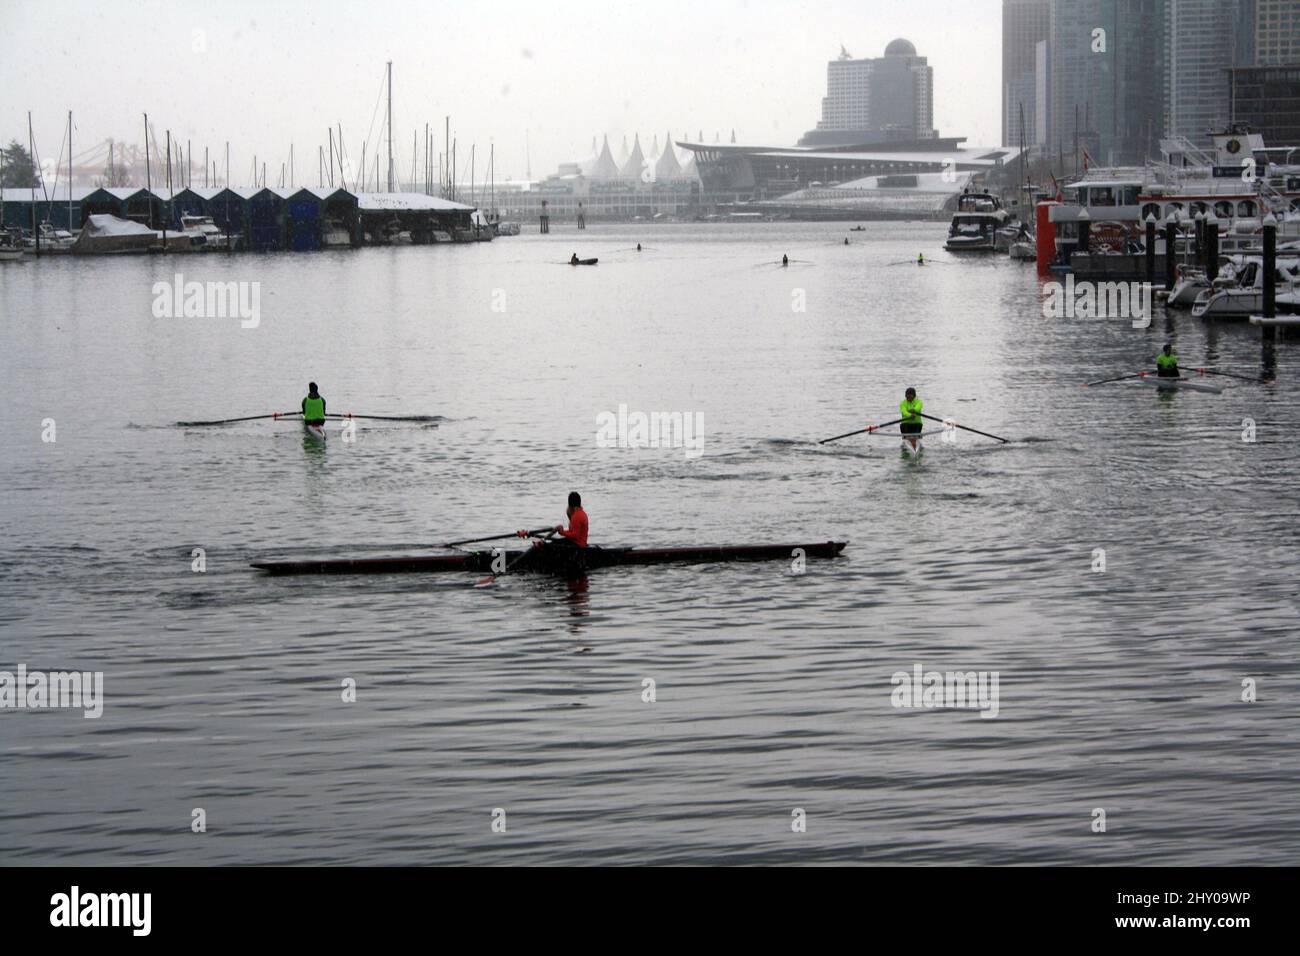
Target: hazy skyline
263	76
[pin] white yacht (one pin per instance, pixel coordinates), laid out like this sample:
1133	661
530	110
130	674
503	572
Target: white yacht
53	240
335	235
10	251
976	223
1239	290
206	233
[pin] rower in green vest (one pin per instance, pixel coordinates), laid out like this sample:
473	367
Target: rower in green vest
910	411
920	258
1167	363
313	406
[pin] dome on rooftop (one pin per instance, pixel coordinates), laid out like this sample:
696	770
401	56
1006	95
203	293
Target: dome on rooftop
900	47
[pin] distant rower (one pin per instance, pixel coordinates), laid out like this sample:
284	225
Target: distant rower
785	260
910	410
313	406
573	260
1167	363
638	247
577	531
920	258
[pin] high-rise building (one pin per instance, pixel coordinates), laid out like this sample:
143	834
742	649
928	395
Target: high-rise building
1268	99
877	99
1025	24
1277	33
1042	92
1203	40
1107	78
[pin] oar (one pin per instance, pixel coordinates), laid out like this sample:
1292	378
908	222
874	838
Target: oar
869	428
1244	378
389	418
246	418
964	427
1107	381
495	537
513	564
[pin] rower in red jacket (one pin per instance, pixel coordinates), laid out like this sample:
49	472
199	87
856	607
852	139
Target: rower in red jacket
577	530
576	535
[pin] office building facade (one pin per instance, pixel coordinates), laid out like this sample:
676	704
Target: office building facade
876	100
1025	25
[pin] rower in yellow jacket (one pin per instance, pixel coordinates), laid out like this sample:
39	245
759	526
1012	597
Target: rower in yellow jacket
1167	363
313	406
909	409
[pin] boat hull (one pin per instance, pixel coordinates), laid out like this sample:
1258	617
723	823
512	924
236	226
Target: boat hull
313	432
550	559
1179	384
963	244
1186	291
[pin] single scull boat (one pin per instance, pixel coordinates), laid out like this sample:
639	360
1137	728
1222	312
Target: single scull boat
1171	384
552	559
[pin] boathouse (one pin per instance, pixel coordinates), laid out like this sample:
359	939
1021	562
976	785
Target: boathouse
51	205
387	218
129	202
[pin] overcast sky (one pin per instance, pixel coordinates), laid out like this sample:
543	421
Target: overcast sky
263	75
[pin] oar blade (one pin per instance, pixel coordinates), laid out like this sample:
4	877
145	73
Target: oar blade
389	418
245	418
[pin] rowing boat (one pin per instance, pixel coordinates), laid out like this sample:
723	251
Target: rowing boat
583	262
1172	384
553	559
313	432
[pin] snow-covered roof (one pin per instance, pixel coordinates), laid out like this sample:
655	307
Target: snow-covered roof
55	193
966	155
406	202
323	192
925	183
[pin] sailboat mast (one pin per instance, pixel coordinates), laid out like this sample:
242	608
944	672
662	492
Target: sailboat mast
31	157
169	188
69	170
148	175
390	126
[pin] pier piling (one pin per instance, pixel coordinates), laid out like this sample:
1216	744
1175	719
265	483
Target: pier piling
1212	250
1151	249
1270	268
1171	245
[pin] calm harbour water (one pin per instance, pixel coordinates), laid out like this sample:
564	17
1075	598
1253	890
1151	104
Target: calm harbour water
1118	690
